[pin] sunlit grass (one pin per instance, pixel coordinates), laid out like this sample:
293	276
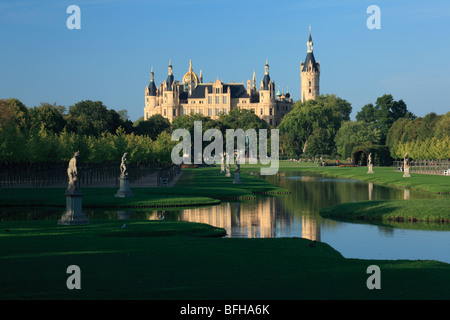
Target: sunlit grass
181	260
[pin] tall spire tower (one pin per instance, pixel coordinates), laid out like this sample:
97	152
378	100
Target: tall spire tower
309	73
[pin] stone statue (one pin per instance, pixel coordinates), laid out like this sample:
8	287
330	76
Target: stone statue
406	166
72	172
238	166
123	166
406	161
369	163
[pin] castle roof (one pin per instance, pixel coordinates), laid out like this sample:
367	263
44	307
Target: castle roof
310	58
152	88
236	90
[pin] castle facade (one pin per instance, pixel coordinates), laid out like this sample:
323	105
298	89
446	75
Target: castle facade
173	98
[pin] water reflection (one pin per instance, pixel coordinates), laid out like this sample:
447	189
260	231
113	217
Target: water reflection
296	215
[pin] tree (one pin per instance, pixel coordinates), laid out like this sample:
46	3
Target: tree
422	138
313	124
385	112
47	115
93	118
13	113
153	126
353	133
242	119
367	114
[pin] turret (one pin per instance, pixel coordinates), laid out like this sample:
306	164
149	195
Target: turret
309	73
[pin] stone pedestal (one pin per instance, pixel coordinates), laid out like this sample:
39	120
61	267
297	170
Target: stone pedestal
237	178
124	191
406	173
370	170
228	173
74	210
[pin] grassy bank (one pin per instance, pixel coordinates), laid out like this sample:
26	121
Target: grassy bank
101	198
197	186
394	211
178	260
208	181
382	175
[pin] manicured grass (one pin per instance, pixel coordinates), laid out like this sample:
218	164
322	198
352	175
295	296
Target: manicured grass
208	181
101	198
177	260
382	175
393	211
197	186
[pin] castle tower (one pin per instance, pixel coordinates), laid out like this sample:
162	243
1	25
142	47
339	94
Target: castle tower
309	73
170	96
150	97
190	79
267	97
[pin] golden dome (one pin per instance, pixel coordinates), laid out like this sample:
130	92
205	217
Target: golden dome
190	76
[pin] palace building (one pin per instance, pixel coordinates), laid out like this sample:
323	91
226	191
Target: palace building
173	98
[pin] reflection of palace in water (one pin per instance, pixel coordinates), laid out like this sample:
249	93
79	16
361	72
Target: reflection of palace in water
260	219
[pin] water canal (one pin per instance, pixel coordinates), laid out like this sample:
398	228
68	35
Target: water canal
297	215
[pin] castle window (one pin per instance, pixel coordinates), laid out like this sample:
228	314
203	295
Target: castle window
200	111
224	99
209	112
174	112
224	111
217	100
270	111
184	111
209	100
192	111
309	90
165	112
217	111
310	83
261	111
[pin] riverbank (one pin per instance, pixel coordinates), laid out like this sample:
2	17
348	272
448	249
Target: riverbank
382	175
196	187
393	212
155	260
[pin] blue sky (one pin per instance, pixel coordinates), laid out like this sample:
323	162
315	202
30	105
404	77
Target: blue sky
110	58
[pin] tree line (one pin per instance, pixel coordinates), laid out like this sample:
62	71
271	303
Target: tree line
387	127
49	133
312	128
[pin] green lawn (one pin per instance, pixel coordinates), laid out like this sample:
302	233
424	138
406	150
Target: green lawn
197	186
434	212
101	198
382	175
181	260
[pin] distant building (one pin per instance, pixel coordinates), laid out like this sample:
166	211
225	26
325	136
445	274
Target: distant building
309	73
172	99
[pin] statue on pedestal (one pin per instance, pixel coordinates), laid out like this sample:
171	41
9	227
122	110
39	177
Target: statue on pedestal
369	163
124	190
